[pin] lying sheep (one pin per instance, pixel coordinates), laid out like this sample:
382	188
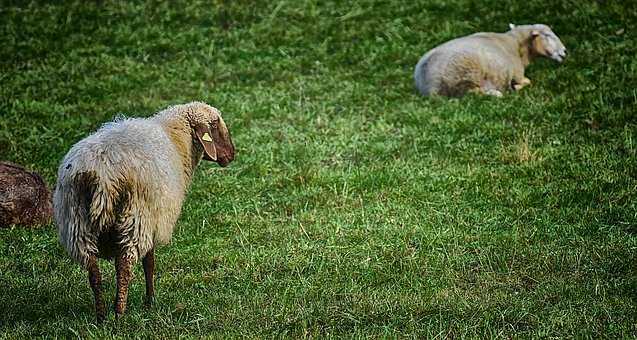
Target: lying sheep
24	197
120	190
485	63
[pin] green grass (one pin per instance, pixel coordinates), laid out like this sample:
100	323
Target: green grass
354	207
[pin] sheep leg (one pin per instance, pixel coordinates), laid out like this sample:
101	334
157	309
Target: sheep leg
149	272
95	279
493	92
486	87
124	275
488	92
518	85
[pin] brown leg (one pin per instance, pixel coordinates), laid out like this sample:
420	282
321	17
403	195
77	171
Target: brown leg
124	274
95	279
149	272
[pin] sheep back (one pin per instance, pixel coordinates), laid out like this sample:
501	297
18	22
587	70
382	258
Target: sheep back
479	61
126	179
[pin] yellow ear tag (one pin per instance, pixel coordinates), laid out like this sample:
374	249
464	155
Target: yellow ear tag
206	137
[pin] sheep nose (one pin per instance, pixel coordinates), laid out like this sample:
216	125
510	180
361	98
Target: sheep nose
225	160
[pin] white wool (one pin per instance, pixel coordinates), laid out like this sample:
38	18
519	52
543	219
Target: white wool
487	63
138	170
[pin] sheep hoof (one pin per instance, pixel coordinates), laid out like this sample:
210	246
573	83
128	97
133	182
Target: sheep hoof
523	83
493	92
149	301
119	312
101	314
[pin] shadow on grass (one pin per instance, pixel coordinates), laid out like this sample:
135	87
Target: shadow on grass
33	304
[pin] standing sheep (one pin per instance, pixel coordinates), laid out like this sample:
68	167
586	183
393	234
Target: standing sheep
485	63
120	190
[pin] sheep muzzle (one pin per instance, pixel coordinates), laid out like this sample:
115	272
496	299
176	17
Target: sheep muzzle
223	143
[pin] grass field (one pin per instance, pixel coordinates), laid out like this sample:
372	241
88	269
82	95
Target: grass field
354	207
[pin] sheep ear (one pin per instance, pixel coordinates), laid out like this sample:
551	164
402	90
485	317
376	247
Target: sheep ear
511	26
204	135
535	33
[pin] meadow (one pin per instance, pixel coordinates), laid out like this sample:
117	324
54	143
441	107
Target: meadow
354	207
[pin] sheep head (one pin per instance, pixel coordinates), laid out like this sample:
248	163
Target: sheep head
211	133
543	41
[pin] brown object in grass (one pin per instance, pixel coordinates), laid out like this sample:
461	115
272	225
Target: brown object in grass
24	197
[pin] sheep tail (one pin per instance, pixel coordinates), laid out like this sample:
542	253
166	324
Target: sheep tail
427	81
420	77
83	210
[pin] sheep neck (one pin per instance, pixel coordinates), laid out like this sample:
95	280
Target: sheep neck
525	48
179	132
525	52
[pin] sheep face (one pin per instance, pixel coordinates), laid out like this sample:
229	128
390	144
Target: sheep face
546	43
211	133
